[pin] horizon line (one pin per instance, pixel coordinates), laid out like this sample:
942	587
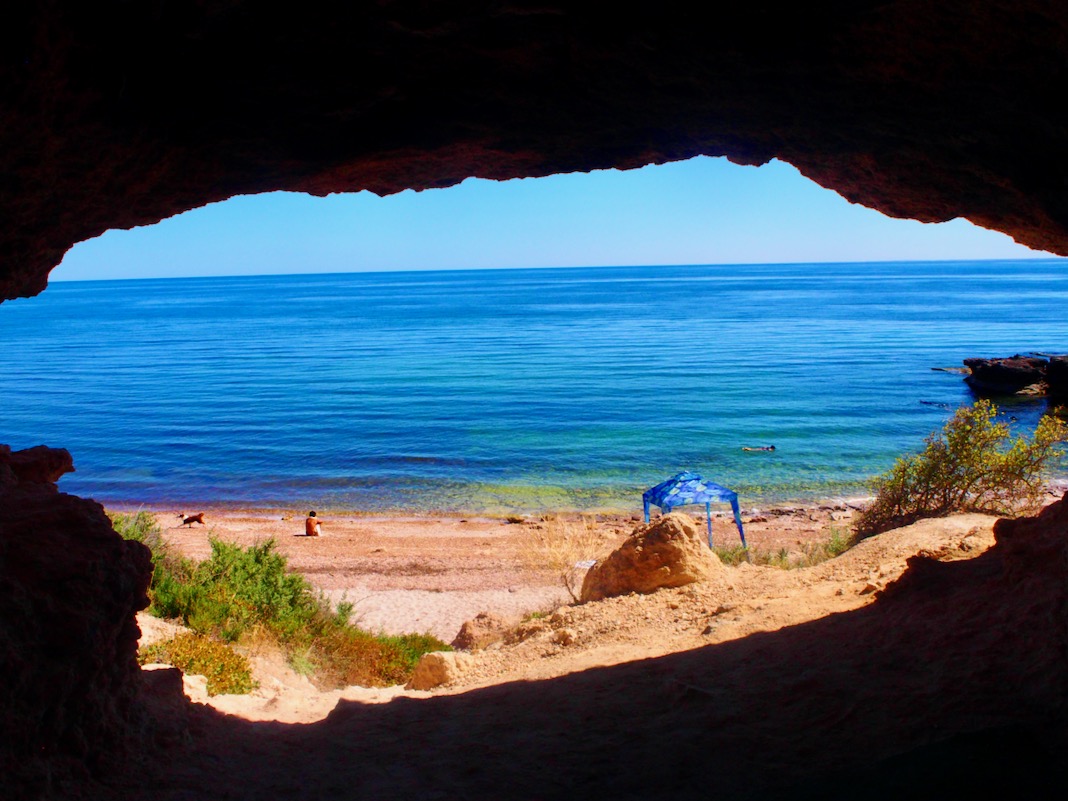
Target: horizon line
1045	257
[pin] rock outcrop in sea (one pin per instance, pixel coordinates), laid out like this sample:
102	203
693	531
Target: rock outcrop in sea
1019	375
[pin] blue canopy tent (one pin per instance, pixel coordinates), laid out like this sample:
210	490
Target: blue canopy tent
688	488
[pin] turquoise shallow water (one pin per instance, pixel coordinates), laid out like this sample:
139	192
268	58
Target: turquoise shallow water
512	389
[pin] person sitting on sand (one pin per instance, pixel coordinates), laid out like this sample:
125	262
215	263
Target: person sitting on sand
761	448
313	527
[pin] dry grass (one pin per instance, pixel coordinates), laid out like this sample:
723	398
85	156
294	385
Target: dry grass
808	554
560	545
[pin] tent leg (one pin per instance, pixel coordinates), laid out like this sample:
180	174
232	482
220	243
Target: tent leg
738	522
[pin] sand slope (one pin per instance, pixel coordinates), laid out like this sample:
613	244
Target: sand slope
742	601
761	681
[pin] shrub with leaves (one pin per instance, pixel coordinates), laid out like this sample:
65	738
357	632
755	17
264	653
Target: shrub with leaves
249	596
972	465
227	671
169	590
241	588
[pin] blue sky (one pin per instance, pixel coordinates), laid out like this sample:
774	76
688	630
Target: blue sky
702	211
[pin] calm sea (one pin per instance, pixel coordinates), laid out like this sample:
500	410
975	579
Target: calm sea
509	390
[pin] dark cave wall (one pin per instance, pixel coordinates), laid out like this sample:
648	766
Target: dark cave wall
116	114
69	589
120	113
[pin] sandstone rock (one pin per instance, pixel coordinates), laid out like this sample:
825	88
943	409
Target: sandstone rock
479	632
163	693
415	117
70	686
7	475
669	552
524	631
37	465
40	465
564	636
438	668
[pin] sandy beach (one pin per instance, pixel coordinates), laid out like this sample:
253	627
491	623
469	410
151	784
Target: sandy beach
716	671
431	573
423	573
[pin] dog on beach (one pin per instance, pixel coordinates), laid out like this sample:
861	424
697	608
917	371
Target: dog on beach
191	519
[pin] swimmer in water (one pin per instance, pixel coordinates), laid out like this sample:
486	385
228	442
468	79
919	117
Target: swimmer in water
761	448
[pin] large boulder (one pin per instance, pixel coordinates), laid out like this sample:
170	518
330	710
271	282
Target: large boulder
670	552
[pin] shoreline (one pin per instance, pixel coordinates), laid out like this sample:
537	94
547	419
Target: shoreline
416	573
419	572
733	604
246	509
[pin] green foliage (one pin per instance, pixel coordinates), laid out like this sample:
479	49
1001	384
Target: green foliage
972	465
236	590
248	595
227	671
139	527
411	647
837	544
302	663
169	590
732	555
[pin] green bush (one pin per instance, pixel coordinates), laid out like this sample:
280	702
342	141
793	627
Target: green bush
248	594
837	544
972	465
171	574
140	527
237	590
227	671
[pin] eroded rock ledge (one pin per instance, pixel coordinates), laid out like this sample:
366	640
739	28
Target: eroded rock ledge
120	114
69	589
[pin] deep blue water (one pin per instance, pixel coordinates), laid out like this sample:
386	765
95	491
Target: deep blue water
510	389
